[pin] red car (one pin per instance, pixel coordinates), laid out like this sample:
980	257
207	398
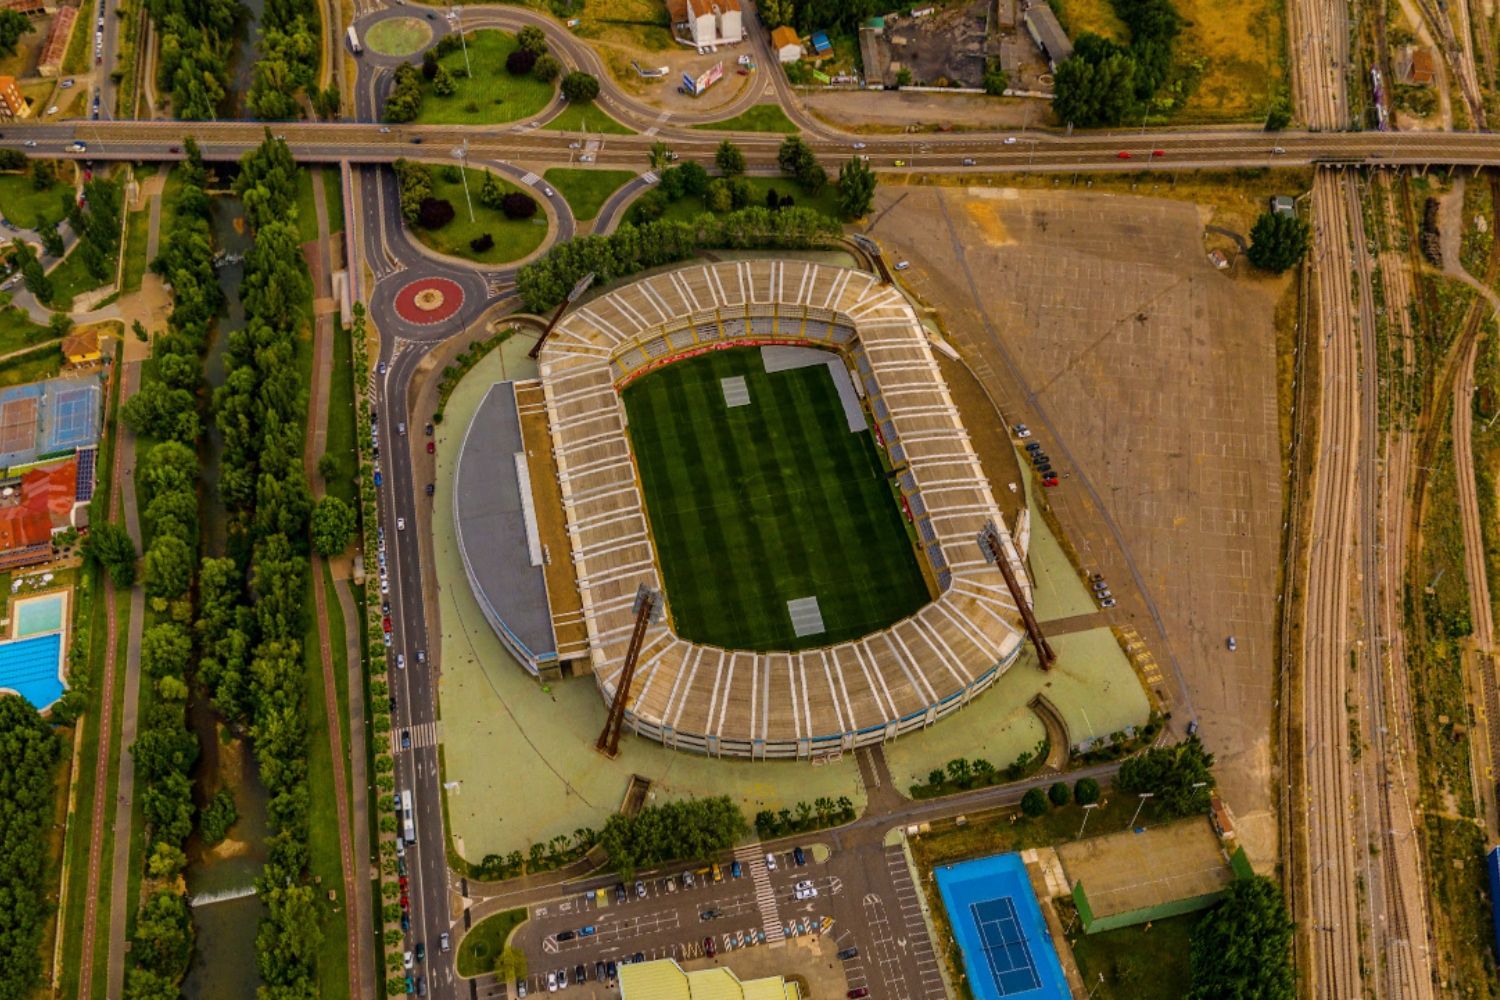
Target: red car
403	883
708	947
1050	481
856	994
1158	152
431	448
405	902
386	623
1123	155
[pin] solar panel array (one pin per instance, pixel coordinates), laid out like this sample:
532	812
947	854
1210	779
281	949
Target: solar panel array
84	489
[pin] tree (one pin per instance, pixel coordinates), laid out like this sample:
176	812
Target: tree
694	179
650	206
434	213
1086	791
729	159
520	62
1058	794
108	545
995	79
481	243
1279	116
856	188
216	818
1034	802
429	64
333	525
1095	86
169	567
52	241
718	197
518	205
660	155
531	39
547	68
443	84
43	174
580	87
792	153
1277	242
1242	947
1170	774
30	751
903	77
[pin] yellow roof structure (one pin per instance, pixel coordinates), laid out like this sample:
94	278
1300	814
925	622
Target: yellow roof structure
665	980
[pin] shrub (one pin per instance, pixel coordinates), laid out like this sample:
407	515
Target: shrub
481	243
547	68
520	62
1086	791
517	205
579	87
1034	802
1059	794
435	213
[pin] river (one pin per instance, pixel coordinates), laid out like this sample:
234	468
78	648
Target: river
224	960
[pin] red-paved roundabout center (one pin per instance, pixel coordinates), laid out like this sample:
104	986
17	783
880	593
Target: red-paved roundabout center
429	300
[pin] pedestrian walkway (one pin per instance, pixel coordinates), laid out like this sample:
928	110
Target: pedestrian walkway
750	857
422	735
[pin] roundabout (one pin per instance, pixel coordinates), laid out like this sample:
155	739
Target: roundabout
429	300
398	37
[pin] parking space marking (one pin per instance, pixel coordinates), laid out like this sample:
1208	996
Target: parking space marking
915	939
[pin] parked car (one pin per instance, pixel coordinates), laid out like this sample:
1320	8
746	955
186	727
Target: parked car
551	976
902	265
770	862
1123	155
610	968
1108	602
640	889
431	448
580	974
1021	431
708	947
798	856
406	739
735	870
1231	644
848	953
400	661
421	951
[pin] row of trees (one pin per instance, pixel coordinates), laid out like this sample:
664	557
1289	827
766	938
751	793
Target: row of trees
531	56
1036	802
30	751
258	612
1243	946
963	773
166	409
555	853
543	283
288	35
822	811
1103	82
691	830
193	60
835	16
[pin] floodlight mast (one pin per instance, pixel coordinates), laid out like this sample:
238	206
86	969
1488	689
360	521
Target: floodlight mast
989	544
582	286
648	610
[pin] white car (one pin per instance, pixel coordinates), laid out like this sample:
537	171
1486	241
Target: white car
858	145
551	982
1022	431
400	661
385	130
575	144
29	143
806	891
52	110
406	960
548	192
66	84
902	265
1010	140
770	862
385	586
400	524
586	158
1232	644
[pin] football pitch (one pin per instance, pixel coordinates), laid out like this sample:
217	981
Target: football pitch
757	505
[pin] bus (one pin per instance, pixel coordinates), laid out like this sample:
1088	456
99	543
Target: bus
354	41
408	828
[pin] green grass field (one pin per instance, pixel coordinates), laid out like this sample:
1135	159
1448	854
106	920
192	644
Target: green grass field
586	190
587	117
687	208
514	238
485	940
756	505
27	207
491	95
758	118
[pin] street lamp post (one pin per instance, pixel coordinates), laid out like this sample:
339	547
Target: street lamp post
1090	807
458	16
461	154
1139	806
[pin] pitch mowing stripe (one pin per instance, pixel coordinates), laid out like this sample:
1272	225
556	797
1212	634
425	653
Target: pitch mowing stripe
754	506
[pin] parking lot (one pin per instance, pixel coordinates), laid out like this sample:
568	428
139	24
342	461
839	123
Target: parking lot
795	920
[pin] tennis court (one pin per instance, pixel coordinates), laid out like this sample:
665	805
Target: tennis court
1000	930
48	418
73	416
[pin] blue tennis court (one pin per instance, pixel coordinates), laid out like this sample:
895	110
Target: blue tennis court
999	927
73	417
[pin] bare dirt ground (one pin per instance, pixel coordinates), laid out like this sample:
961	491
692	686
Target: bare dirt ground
890	110
1151	380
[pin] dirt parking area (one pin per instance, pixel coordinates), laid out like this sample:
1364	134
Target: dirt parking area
1151	379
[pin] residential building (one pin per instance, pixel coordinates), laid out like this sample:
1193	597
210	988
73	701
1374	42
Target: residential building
1045	30
31	8
49	63
664	979
786	43
1415	65
706	22
80	347
1283	204
12	104
25	537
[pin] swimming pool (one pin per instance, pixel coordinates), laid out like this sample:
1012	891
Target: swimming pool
32	668
35	615
999	927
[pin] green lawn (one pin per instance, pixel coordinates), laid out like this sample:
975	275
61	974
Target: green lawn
399	36
586	190
1137	963
760	118
513	239
27	207
323	819
587	117
307	213
17	330
71	279
491	95
477	950
341	416
333	198
136	233
687	208
42	363
77	59
778	489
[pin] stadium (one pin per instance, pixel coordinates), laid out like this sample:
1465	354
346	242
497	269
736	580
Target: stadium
772	446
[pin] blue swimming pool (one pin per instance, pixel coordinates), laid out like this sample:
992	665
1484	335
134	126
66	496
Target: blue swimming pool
30	668
1000	929
35	615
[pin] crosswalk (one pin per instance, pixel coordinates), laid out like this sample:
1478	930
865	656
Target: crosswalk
765	896
530	179
424	734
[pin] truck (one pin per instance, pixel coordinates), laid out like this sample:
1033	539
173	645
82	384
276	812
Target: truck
354	45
